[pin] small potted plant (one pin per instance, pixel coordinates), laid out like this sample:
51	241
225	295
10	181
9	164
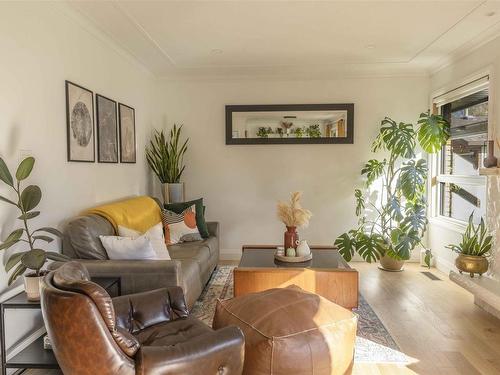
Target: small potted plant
34	258
165	156
313	131
263	132
280	132
299	132
293	215
474	249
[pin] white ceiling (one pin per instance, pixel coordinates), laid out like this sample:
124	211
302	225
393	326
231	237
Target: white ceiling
213	38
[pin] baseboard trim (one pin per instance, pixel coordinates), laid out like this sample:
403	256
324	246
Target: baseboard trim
230	254
444	265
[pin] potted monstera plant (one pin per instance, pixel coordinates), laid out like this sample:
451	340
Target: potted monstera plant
390	227
34	257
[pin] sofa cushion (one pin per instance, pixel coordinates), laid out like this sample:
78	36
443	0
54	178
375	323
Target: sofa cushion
200	213
210	243
82	237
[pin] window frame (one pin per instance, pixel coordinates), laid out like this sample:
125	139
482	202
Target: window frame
467	86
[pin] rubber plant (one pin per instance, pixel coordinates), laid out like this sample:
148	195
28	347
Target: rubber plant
165	155
394	224
26	200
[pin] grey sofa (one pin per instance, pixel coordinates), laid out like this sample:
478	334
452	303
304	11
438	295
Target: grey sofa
190	268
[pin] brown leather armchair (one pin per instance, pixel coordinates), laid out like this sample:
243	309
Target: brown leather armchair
146	333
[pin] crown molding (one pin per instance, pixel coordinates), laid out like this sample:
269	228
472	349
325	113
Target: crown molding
87	24
467	48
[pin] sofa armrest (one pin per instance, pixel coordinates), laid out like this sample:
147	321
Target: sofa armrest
135	275
213	228
141	310
217	352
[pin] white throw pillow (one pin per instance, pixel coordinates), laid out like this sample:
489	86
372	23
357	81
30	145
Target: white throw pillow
155	234
139	248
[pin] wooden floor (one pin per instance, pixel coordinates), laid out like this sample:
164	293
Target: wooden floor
434	322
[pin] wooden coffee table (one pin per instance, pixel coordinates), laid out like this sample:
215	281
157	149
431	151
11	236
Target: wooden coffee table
327	274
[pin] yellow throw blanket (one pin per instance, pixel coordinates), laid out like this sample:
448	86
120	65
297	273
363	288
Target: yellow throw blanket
139	213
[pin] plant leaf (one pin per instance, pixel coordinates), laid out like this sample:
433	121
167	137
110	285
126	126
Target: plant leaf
360	201
34	259
13	260
373	169
15	235
433	133
370	246
346	245
415	218
50	230
412	179
43	238
30	197
25	168
397	138
5	175
29	215
17	272
394	208
404	242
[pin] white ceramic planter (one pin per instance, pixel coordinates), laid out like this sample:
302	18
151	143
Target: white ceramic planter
32	287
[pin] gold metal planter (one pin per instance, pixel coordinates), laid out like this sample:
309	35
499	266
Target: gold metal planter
471	264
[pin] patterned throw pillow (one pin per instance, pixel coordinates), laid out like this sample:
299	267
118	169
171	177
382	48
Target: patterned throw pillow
180	227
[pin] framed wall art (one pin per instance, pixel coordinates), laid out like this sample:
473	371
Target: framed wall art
80	123
126	115
107	130
289	124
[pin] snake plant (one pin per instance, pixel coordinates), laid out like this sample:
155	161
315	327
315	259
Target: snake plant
395	224
26	200
475	240
165	155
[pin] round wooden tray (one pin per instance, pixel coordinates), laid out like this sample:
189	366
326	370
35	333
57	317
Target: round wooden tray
286	259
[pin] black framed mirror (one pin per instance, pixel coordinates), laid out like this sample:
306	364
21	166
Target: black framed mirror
289	124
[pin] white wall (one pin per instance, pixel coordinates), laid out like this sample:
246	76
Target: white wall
41	46
241	184
486	57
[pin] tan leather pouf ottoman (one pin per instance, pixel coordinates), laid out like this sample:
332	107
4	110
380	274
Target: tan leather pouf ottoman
291	331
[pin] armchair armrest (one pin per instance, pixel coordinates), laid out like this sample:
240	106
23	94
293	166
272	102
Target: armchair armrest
217	352
135	312
135	275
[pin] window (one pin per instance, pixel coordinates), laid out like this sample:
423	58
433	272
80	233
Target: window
460	188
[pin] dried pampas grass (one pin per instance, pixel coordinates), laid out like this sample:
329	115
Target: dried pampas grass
292	214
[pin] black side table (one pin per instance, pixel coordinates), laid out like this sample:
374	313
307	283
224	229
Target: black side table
34	355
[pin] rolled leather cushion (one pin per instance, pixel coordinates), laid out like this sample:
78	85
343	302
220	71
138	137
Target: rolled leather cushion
291	331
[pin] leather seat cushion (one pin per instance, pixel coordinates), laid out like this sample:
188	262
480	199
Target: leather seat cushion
178	251
197	252
291	331
171	333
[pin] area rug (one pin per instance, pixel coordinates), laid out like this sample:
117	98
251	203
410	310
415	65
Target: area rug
374	344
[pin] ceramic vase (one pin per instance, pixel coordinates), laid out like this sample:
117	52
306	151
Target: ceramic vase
303	249
173	193
32	287
291	237
490	161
